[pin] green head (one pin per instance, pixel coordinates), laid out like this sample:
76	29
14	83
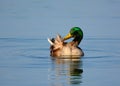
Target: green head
75	32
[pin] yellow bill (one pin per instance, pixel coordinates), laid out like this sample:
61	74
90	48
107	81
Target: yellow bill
67	36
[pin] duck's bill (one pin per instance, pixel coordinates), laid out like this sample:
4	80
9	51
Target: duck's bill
67	36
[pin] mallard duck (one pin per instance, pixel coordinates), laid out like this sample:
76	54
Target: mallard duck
60	48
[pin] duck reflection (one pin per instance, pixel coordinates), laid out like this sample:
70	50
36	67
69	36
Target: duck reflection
66	72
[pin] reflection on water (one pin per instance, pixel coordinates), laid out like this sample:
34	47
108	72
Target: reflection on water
65	72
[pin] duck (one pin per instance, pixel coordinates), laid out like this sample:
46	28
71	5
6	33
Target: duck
60	48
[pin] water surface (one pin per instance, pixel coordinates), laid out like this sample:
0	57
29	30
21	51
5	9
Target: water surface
27	62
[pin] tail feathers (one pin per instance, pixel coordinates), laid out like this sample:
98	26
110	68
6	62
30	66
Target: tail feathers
50	42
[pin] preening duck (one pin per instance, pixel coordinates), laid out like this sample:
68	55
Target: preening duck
60	48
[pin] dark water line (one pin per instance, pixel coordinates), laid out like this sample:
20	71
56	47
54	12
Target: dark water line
102	39
41	38
23	39
96	57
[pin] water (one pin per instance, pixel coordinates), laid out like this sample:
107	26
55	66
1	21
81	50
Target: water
23	62
26	62
24	49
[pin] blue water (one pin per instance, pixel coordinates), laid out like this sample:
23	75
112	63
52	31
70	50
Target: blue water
26	62
25	26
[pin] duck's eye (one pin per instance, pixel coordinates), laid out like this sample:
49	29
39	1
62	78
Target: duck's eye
75	33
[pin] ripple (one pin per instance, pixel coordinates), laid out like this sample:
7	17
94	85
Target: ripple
96	57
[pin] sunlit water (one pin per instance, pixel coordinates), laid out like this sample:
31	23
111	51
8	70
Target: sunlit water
26	62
